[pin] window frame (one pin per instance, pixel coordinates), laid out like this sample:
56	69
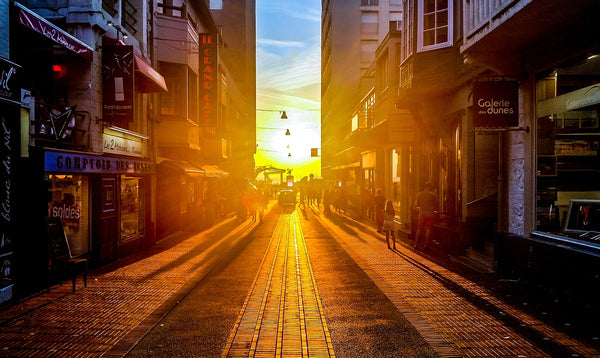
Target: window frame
420	26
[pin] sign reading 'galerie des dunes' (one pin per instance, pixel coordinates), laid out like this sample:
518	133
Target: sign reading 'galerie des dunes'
495	104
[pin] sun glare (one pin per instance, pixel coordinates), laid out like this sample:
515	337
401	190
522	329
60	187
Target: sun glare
291	151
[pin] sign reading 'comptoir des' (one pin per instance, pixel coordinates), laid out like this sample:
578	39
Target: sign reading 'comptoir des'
496	104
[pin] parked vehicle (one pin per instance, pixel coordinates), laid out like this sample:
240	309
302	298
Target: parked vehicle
287	197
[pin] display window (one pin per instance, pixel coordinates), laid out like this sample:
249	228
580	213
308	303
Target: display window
132	209
567	146
69	201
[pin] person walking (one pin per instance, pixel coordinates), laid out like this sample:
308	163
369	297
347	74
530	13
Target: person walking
388	223
379	208
427	205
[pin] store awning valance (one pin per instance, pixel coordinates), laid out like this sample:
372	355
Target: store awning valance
179	167
52	32
148	80
212	171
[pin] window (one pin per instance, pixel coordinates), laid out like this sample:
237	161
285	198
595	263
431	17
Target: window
173	102
368	22
396	2
367	51
382	72
567	151
435	24
408	38
69	201
216	4
171	7
369	2
132	209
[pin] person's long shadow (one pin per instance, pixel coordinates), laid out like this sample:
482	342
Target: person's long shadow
200	248
342	223
555	348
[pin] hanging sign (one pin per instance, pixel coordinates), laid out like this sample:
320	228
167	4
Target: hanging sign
10	81
117	83
496	104
208	67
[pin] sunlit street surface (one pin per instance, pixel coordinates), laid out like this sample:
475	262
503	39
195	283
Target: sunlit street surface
299	283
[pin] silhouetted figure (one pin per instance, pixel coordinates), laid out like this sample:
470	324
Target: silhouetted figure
427	204
388	223
379	201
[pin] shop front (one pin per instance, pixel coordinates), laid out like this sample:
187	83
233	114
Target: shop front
567	160
562	250
102	202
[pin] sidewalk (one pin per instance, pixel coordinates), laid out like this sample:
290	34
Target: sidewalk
122	300
456	305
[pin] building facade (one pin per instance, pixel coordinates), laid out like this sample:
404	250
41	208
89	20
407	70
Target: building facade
104	130
551	171
495	104
348	52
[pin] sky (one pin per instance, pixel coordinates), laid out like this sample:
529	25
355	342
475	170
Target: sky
288	78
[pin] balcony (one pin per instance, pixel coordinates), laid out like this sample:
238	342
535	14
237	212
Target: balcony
427	74
179	134
176	37
505	34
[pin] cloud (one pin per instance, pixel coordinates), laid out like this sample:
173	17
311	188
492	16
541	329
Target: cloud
271	42
301	10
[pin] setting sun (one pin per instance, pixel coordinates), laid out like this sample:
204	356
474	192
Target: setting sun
288	79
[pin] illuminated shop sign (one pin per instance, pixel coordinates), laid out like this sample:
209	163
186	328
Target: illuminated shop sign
496	104
65	162
10	81
208	81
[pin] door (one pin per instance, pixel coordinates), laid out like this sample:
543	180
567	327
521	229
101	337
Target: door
106	219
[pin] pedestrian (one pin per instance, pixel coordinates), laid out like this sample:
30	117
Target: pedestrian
427	205
379	201
388	223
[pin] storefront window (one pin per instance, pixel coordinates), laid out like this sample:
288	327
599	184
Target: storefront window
132	209
70	202
567	145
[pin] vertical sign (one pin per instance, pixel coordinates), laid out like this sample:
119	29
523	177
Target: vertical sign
208	81
10	99
496	104
117	83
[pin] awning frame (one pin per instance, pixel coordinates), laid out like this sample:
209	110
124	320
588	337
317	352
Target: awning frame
47	29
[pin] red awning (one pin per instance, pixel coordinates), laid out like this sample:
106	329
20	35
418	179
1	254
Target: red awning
147	78
51	31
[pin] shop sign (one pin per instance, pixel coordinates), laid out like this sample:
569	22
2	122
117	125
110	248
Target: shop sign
56	34
209	73
117	83
65	162
10	81
496	104
9	135
120	145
